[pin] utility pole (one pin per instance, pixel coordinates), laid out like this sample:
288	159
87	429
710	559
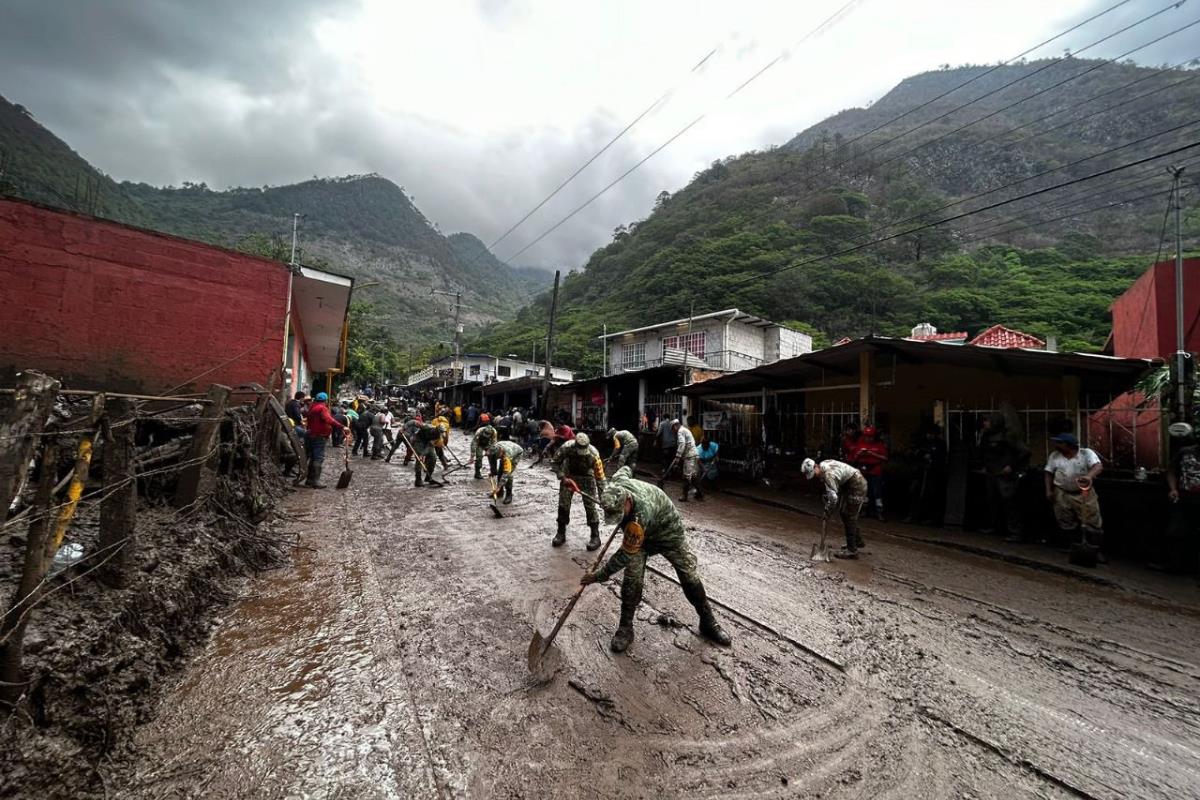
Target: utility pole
604	351
550	344
458	328
295	231
1181	373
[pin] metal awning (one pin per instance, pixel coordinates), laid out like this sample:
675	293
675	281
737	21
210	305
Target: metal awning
321	301
1097	371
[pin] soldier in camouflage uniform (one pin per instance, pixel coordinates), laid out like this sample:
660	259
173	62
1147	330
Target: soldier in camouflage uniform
625	449
579	461
502	459
651	525
845	490
481	443
408	429
425	444
687	459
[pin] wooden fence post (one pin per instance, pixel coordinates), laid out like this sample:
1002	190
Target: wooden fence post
118	509
12	629
199	477
31	407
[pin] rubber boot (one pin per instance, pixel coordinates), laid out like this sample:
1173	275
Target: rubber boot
709	627
315	480
442	457
684	499
478	473
594	542
561	537
624	635
508	493
878	512
418	482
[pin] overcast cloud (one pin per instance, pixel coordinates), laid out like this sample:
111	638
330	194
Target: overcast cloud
480	109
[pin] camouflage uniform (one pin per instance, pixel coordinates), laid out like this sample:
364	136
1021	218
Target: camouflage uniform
689	462
625	448
653	526
503	458
845	490
582	464
408	430
425	445
481	443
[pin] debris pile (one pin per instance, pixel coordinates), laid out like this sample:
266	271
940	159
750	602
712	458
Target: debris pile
129	522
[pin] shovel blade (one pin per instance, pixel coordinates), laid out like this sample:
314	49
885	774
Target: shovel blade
821	555
543	661
344	479
496	510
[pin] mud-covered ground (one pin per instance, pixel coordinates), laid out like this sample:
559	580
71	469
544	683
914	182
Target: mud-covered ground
390	662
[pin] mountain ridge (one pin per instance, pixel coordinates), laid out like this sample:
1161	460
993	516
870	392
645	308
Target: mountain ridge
365	226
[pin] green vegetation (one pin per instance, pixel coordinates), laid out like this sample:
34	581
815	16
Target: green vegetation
720	241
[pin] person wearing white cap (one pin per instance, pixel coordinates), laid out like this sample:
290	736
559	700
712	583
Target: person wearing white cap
845	490
687	458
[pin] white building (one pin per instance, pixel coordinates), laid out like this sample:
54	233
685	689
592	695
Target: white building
482	368
723	340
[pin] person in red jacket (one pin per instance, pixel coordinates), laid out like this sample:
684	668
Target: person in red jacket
321	425
870	456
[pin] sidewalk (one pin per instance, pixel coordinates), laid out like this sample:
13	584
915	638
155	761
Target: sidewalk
1119	574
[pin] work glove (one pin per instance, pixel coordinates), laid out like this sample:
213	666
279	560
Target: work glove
572	485
588	579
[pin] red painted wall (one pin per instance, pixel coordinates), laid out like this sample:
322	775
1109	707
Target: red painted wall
103	305
1144	317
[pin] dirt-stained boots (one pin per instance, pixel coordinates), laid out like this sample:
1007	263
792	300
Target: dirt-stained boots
709	627
594	542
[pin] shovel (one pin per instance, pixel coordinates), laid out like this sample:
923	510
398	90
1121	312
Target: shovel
495	491
1083	553
820	551
421	462
347	473
543	658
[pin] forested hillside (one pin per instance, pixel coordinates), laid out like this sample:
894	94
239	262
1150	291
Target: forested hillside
361	225
841	203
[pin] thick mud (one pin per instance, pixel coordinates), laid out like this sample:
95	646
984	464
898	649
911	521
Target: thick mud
390	662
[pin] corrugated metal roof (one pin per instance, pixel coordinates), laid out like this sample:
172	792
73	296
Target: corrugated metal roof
1112	372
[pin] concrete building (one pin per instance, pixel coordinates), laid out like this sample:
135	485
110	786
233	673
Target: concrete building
479	368
645	365
103	305
724	341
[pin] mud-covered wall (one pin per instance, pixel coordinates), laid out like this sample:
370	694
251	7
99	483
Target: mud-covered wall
104	305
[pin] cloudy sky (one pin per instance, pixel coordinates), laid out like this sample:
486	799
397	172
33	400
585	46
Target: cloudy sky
479	109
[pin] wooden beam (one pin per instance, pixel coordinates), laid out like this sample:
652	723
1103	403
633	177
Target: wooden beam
34	398
118	509
866	386
199	477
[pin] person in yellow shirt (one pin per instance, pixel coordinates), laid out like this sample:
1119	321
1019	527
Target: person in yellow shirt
696	428
442	424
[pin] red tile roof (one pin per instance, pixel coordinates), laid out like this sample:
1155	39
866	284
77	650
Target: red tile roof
1000	336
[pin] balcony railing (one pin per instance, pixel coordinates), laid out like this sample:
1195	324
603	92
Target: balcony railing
730	360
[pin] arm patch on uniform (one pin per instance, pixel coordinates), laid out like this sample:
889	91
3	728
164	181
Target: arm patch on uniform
633	538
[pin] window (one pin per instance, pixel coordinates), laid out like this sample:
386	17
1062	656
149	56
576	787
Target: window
691	342
531	373
475	369
633	356
504	372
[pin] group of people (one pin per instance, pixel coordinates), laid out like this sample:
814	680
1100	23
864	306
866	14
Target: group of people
690	449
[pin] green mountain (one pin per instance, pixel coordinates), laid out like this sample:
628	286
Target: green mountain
361	225
1050	266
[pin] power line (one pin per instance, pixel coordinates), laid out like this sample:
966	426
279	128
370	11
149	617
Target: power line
963	215
827	22
659	101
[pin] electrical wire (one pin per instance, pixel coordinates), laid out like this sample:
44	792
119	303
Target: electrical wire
955	217
826	23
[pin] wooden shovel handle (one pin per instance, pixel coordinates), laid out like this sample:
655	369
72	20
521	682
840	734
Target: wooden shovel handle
578	592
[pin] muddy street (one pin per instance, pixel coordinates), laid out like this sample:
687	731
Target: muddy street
389	661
